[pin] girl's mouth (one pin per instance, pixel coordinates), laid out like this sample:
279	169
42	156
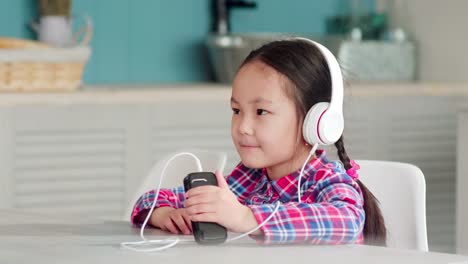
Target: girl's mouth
249	146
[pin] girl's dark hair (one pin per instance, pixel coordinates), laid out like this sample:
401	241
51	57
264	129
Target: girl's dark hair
307	70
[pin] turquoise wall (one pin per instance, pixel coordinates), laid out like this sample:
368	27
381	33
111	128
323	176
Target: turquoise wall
161	41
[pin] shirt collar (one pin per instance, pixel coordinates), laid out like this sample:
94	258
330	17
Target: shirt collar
287	185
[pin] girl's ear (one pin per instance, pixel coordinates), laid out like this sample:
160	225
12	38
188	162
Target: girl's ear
300	131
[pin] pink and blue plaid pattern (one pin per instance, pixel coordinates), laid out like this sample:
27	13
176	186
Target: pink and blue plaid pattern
330	212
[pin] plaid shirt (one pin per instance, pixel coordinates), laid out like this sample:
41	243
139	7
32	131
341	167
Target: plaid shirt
330	212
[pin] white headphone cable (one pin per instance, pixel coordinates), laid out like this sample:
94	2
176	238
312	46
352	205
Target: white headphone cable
278	203
312	151
173	242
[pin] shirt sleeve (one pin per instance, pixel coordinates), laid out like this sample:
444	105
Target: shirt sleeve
174	197
241	181
336	215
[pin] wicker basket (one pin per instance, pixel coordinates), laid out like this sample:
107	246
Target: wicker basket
32	66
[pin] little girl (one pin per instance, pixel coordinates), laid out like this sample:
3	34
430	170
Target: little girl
273	90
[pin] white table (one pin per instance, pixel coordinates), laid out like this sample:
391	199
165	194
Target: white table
36	238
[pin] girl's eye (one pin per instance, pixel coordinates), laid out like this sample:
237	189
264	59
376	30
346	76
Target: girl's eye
235	111
262	112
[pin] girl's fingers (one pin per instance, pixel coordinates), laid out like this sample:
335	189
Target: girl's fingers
181	224
200	209
169	225
201	190
200	199
187	221
206	217
221	180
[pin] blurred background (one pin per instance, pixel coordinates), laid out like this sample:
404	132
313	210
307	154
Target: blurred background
93	92
164	42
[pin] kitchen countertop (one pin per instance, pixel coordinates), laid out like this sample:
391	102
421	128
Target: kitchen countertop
210	91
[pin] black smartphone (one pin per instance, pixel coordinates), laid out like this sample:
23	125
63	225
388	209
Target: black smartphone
205	232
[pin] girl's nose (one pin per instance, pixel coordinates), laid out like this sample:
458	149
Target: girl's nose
245	126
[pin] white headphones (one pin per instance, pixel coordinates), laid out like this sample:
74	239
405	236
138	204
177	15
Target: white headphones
324	122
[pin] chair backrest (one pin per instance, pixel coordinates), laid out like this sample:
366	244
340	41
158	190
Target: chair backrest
176	171
401	191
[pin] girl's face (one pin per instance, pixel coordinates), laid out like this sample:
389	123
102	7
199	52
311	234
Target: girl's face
264	124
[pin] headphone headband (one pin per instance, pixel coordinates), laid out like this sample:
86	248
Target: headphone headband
324	122
336	102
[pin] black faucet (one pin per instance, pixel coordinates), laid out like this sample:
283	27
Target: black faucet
220	13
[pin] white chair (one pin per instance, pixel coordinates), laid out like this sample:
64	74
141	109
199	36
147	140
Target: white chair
176	171
401	191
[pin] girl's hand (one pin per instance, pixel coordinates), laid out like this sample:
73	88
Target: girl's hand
173	220
218	204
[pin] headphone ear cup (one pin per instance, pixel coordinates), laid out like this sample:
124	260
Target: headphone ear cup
322	126
331	127
310	127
